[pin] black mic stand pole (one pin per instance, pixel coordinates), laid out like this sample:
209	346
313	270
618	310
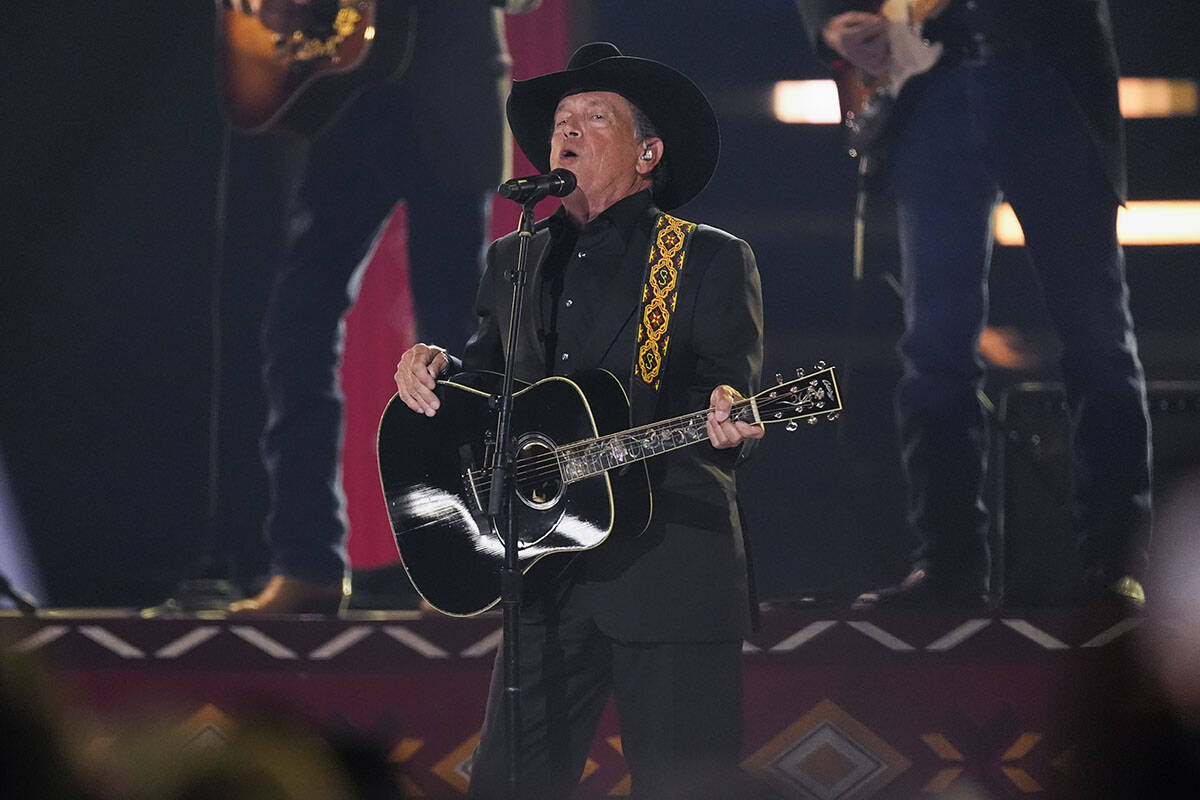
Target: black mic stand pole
500	508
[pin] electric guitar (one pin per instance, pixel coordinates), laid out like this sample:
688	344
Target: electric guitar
867	101
299	83
578	475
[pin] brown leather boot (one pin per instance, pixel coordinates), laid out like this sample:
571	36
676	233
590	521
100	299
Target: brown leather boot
286	595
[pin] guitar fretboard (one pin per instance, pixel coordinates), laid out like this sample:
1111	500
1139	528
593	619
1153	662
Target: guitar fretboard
585	459
808	396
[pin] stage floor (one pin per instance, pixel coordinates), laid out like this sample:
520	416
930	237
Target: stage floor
838	705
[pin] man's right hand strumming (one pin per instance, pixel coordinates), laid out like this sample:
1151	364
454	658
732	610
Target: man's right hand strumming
416	377
860	38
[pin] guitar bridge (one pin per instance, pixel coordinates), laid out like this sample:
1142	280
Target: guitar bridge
473	481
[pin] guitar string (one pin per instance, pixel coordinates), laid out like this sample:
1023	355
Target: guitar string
766	399
532	469
766	405
549	464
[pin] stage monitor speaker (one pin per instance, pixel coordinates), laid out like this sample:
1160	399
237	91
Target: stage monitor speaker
1037	563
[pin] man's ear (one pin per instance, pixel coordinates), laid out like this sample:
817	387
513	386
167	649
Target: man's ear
652	153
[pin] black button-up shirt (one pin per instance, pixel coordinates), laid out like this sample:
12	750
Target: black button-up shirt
587	275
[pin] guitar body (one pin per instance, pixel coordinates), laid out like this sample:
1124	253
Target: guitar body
436	474
269	88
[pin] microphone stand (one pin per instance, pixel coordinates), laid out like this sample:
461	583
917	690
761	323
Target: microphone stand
500	506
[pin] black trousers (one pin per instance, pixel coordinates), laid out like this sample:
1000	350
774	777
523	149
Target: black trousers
679	706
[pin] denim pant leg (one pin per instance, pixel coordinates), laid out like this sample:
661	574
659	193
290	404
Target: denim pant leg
1053	177
944	201
447	236
340	206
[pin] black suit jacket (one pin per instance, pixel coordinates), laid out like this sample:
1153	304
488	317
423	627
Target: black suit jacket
686	577
1073	37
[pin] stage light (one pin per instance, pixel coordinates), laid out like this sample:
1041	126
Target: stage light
806	102
815	102
1144	222
1158	97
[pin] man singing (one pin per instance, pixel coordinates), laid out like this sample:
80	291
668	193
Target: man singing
656	620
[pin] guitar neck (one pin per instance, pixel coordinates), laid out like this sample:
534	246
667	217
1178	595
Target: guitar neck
807	397
593	456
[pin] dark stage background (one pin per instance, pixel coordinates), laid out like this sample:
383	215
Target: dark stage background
111	139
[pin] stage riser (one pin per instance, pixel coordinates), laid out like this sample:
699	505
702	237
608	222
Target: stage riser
895	705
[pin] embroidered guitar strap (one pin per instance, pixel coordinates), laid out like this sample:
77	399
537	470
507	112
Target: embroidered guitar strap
668	247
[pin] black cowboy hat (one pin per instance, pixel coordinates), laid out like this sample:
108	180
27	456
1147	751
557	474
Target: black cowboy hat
680	112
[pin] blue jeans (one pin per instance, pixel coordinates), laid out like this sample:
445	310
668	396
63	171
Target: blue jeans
407	142
972	133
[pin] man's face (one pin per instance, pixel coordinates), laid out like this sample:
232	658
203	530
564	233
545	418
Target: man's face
594	138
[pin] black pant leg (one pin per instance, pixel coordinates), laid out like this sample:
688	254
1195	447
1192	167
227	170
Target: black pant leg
680	706
565	682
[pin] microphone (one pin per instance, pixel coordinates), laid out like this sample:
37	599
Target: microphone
558	183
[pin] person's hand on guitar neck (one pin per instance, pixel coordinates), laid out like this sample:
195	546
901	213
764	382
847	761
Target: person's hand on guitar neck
416	377
862	39
281	16
724	432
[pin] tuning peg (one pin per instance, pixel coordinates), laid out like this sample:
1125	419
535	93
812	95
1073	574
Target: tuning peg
791	426
779	378
832	415
819	365
812	420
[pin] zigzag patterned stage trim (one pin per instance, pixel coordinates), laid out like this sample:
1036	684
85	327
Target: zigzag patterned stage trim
838	706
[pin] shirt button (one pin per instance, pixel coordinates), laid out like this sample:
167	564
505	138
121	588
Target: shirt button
581	254
565	356
569	302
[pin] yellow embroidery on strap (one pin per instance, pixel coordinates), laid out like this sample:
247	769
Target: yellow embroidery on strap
659	296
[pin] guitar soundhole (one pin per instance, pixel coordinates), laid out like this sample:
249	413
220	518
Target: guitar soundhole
539	481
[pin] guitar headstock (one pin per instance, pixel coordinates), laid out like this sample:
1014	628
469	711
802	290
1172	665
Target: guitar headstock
812	396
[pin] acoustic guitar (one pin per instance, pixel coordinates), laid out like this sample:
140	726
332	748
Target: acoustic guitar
578	476
299	83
